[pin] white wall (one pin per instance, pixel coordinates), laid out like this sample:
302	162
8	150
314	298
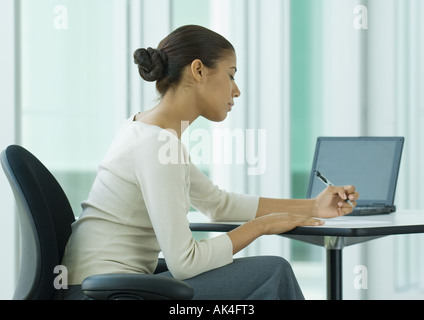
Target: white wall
395	104
7	137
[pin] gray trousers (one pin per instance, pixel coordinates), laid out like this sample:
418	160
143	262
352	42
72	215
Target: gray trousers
252	278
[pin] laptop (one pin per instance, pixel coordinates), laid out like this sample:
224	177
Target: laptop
371	164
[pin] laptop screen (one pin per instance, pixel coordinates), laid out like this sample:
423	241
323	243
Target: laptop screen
371	164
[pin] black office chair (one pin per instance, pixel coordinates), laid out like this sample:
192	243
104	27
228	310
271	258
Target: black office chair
45	220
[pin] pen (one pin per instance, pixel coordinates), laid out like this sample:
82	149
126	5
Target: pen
328	183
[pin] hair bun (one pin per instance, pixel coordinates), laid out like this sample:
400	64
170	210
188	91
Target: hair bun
151	63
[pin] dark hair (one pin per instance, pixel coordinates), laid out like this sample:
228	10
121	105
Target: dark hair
178	50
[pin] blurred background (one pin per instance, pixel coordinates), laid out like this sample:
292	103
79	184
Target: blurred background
307	68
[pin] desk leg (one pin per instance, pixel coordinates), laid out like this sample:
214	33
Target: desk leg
334	274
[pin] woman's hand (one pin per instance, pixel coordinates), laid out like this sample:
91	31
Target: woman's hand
332	201
277	223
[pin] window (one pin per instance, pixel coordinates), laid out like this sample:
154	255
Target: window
71	86
184	12
77	83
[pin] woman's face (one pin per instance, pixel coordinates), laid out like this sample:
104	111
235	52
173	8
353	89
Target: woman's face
220	89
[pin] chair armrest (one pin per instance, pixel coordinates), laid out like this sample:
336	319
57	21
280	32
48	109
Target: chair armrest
135	287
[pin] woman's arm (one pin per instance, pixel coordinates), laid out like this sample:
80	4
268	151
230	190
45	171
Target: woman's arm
218	204
276	216
274	223
329	204
295	206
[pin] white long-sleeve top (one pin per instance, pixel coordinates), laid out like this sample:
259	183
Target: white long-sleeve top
138	207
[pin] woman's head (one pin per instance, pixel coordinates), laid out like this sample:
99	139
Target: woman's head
177	51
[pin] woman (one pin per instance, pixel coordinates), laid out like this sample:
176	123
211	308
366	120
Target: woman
138	204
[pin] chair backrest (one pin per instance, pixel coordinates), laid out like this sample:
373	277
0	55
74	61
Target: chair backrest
45	217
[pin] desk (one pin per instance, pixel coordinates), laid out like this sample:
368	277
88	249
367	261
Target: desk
338	233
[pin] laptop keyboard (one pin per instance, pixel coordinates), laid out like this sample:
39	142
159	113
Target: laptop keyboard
363	211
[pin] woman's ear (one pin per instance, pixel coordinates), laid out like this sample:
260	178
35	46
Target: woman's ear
198	70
